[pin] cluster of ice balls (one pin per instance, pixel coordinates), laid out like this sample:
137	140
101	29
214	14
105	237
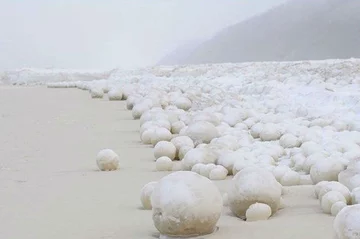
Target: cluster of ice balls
188	204
249	130
264	151
337	200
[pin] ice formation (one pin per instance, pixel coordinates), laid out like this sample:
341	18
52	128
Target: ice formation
186	204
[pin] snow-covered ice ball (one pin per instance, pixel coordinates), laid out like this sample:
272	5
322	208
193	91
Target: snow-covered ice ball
352	155
258	212
313	159
161	123
145	195
329	199
320	122
217	150
206	116
182	141
227	141
241	164
290	178
326	170
147	135
354	165
97	92
253	185
160	134
128	90
256	129
132	100
183	151
335	186
164	164
198	155
280	171
337	207
107	160
106	88
197	168
249	122
308	148
183	131
275	151
186	204
177	126
285	161
355	196
241	126
289	141
318	188
139	109
347	223
298	161
350	177
223	128
219	115
340	125
154	115
232	118
115	94
183	103
202	132
270	132
206	169
228	160
218	173
265	159
173	116
165	148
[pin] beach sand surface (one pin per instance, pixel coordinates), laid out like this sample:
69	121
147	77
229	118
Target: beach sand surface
50	186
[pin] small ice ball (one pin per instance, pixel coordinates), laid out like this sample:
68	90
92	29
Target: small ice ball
218	173
337	207
165	148
258	212
145	195
164	164
329	199
107	160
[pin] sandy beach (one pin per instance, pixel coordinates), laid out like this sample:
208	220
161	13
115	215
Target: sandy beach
51	188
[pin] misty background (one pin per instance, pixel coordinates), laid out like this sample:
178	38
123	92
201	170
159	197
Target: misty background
113	33
297	30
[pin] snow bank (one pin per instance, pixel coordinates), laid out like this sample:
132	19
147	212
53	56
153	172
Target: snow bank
28	76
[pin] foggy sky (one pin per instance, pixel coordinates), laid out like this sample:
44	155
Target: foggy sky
110	33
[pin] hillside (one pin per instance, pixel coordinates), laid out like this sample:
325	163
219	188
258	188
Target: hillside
297	30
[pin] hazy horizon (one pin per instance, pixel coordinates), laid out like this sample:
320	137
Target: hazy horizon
98	34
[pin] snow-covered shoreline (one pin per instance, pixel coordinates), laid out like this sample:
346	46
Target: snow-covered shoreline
30	76
233	73
291	124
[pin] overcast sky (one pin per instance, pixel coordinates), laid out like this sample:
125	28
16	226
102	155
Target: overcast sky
110	33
